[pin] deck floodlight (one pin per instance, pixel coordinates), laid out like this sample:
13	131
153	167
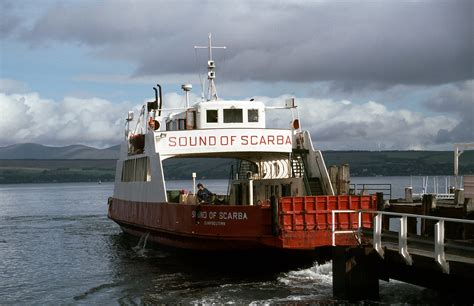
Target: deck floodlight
290	103
130	116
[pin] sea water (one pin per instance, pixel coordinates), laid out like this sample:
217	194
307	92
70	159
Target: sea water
57	246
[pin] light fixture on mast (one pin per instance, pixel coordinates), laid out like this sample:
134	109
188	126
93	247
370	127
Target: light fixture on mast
211	74
187	88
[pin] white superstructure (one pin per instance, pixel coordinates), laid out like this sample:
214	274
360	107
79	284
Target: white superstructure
273	162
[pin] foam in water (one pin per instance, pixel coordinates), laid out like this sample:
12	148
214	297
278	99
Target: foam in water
140	248
317	275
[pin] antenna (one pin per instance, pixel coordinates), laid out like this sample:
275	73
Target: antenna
211	65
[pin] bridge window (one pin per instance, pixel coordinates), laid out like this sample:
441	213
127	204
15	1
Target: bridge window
211	115
233	115
253	115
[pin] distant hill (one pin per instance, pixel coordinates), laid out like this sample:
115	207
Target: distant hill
393	163
32	163
37	151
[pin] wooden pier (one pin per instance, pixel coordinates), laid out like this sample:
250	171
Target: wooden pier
430	244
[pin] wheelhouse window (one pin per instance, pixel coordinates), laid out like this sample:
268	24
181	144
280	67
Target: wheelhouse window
211	115
233	115
253	115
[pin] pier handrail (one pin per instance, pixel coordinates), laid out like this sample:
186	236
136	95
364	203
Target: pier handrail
416	216
386	189
333	225
402	235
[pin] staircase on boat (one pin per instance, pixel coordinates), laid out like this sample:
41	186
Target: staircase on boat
299	168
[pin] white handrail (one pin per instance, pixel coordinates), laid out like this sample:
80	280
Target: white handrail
403	241
417	216
439	253
333	225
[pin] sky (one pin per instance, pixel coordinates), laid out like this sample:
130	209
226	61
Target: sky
366	75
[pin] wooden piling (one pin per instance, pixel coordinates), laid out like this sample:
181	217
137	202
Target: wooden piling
343	179
355	273
458	197
427	204
381	206
409	195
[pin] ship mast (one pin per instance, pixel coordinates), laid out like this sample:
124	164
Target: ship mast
211	74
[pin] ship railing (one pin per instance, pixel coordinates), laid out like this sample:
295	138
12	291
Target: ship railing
307	186
439	254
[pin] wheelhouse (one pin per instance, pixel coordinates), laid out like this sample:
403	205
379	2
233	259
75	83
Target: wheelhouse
219	115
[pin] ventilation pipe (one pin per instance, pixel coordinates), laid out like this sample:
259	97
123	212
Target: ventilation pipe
161	99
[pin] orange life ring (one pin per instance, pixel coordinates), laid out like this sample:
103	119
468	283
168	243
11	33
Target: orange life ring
153	124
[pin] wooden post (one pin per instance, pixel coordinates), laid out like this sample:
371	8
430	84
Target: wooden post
380	207
458	197
409	194
468	213
411	226
380	200
355	273
427	203
343	179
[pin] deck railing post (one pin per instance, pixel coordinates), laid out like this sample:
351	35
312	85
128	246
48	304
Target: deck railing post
333	227
439	246
402	241
350	229
439	235
359	226
378	234
380	207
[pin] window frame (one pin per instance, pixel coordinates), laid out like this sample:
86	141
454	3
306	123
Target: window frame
249	115
232	117
209	117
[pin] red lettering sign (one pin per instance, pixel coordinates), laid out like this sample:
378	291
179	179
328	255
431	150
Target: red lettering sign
229	140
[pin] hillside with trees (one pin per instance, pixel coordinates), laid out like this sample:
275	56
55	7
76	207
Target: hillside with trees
32	163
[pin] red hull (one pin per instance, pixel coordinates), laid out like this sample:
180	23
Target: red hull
304	223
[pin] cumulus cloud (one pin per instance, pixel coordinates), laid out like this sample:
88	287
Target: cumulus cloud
455	99
343	125
92	121
30	118
333	124
387	43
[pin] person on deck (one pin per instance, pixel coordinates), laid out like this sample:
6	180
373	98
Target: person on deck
204	195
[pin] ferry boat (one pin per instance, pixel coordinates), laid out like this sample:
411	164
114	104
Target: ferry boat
280	196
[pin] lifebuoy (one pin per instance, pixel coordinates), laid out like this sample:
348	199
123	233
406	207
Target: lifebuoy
153	124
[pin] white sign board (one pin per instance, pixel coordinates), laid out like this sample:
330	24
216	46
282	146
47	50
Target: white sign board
224	140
